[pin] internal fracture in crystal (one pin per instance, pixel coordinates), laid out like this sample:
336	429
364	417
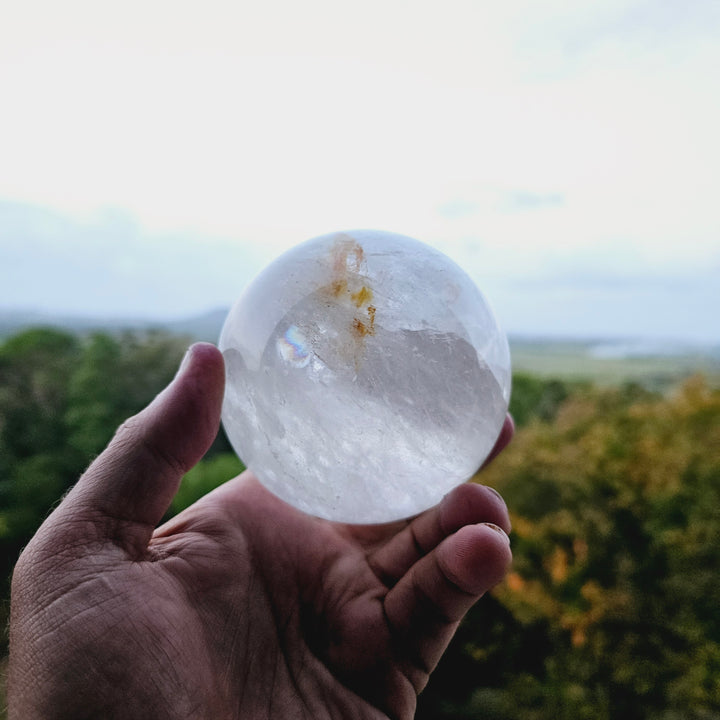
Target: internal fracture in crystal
366	376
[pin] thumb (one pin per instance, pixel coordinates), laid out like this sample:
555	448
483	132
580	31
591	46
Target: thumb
129	487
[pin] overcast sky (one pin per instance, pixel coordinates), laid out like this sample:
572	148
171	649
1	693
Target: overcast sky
154	155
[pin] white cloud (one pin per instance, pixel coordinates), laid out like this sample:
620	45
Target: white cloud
278	121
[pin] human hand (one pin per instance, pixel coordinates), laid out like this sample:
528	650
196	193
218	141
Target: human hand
240	606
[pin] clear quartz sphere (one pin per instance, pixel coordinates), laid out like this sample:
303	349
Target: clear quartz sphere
366	376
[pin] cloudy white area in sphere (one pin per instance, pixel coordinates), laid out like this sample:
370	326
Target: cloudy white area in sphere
550	148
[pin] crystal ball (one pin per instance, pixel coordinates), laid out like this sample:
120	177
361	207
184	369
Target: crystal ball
366	376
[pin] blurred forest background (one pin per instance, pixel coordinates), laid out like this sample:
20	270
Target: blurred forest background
612	609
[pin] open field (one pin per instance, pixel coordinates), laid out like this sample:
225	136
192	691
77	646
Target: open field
614	362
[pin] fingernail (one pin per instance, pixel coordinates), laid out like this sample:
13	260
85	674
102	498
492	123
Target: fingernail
187	357
495	492
498	530
499	497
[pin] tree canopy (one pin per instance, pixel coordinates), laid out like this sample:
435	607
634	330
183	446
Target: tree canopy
611	608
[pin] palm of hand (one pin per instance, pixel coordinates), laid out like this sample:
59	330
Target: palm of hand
307	623
242	606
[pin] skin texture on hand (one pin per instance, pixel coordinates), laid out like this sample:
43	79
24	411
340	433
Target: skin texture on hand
240	606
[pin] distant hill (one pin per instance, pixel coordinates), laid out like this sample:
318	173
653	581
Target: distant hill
605	360
205	327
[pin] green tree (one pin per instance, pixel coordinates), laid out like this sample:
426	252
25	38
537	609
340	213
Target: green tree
36	463
534	397
115	378
617	540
